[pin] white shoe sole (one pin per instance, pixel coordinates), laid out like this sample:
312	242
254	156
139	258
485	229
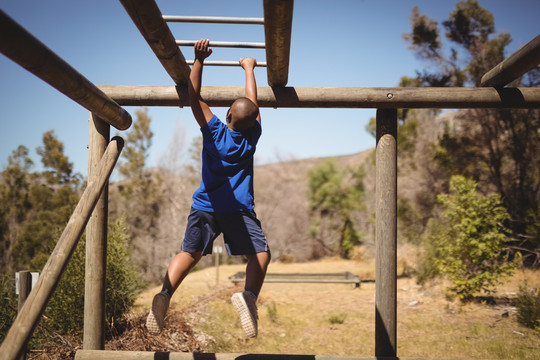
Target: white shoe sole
249	324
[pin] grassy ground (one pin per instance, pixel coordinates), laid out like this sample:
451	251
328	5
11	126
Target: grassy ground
335	319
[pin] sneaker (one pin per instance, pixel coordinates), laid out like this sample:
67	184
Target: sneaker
156	318
245	304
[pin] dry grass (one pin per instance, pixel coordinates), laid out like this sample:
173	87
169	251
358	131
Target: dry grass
335	319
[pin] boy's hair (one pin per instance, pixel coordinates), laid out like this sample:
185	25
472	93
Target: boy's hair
242	114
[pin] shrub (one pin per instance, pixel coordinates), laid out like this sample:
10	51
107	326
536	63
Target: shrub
8	299
528	307
466	243
65	311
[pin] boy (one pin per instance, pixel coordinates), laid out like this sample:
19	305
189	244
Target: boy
224	201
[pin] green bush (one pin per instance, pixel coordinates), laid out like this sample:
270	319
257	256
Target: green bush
124	279
467	242
528	307
8	299
65	311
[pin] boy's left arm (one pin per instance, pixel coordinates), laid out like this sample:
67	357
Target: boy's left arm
248	64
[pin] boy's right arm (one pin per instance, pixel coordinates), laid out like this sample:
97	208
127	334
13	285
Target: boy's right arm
201	110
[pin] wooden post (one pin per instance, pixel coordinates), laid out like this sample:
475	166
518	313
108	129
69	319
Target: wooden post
23	326
30	53
277	33
25	286
96	244
386	234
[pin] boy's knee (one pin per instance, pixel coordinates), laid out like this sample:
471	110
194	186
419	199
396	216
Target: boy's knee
196	256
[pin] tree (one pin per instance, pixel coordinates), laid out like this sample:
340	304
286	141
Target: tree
194	167
140	196
58	168
139	141
333	197
14	202
466	242
495	147
469	27
49	199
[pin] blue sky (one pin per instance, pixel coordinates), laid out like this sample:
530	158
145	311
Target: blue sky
334	43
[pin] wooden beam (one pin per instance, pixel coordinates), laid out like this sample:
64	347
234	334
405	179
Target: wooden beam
151	355
277	32
96	243
30	53
320	97
386	234
27	319
523	60
149	20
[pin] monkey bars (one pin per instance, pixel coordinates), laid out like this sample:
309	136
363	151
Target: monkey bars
214	19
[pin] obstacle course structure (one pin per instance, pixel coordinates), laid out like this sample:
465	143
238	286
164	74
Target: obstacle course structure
105	105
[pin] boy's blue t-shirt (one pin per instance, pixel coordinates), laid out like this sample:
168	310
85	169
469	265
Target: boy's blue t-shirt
227	168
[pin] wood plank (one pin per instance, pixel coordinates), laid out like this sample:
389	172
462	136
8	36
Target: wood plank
151	355
332	97
517	64
277	32
149	20
23	48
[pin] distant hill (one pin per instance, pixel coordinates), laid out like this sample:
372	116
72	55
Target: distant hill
281	202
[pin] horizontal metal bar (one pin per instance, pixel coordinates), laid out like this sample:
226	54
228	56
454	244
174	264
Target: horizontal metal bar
245	45
225	63
333	97
214	19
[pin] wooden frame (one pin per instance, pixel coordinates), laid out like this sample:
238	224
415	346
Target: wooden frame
326	97
30	53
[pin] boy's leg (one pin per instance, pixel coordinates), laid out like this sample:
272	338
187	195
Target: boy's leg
246	302
256	271
178	269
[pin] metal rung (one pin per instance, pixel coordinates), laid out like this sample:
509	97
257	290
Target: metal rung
225	63
213	19
250	45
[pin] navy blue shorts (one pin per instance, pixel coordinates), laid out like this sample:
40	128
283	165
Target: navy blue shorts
242	232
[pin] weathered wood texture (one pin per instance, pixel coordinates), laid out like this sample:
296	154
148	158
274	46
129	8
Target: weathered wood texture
386	233
330	97
25	286
23	48
151	355
27	319
277	32
149	20
517	64
96	243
